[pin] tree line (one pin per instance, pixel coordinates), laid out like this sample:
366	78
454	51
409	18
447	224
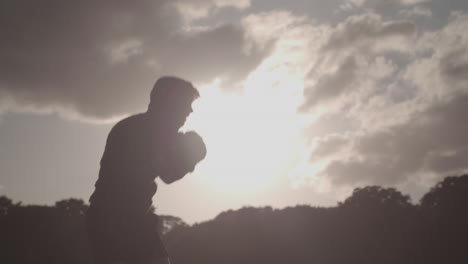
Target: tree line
374	225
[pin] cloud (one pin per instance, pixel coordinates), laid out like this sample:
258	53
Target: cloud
265	28
440	68
329	145
331	85
411	117
367	30
429	143
386	100
378	4
121	52
454	66
350	58
193	10
416	11
98	60
449	163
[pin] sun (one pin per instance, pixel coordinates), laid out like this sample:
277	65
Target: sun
252	137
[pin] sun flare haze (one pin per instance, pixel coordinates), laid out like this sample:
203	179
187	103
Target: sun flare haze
301	102
253	137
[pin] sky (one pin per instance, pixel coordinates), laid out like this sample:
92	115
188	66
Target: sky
301	101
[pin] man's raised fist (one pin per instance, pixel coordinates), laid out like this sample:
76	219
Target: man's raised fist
192	149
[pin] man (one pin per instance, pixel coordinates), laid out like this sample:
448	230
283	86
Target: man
120	224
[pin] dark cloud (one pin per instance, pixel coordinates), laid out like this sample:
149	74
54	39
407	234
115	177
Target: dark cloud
454	66
433	141
448	163
330	145
331	123
100	58
331	85
217	51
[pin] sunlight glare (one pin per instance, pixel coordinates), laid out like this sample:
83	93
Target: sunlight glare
251	138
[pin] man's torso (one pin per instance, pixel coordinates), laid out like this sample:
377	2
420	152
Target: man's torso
126	177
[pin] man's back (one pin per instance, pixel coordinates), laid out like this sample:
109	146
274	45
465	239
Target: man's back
126	177
118	221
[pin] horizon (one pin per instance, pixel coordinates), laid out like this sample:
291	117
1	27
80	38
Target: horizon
411	201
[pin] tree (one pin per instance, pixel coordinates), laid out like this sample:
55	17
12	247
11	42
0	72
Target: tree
445	212
71	207
449	195
376	197
5	205
168	222
376	226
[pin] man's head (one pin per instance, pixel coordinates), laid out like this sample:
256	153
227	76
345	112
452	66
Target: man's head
172	98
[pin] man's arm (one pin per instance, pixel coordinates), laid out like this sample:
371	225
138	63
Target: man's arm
171	175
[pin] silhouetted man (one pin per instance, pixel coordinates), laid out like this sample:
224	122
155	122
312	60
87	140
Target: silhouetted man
120	224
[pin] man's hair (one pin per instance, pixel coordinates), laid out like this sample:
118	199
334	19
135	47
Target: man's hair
168	89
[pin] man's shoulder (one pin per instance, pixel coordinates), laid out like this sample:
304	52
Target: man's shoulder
129	126
131	121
